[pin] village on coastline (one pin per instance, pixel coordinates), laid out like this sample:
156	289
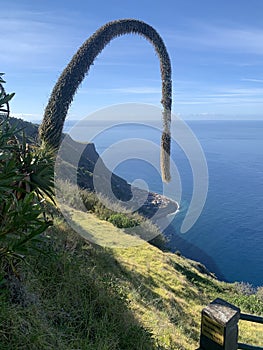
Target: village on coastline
158	205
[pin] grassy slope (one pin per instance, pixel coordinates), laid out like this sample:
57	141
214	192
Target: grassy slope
81	296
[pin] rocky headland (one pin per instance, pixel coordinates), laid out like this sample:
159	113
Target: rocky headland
155	205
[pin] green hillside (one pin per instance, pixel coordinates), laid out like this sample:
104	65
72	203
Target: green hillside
60	291
75	295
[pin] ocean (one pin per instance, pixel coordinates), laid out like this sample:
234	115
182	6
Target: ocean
228	235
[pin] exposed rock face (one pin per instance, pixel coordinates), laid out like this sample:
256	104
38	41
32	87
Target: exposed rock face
86	163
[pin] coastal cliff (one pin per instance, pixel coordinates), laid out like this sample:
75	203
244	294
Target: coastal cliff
155	204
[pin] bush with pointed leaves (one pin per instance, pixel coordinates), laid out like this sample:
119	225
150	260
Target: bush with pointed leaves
26	179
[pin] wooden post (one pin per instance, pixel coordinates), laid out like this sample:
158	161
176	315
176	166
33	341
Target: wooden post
219	326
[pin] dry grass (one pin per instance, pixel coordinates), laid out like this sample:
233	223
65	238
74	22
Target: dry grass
89	297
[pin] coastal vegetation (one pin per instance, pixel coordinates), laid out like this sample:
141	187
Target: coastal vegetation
76	295
105	210
26	175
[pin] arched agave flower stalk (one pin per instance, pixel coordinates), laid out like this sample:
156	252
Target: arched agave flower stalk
63	93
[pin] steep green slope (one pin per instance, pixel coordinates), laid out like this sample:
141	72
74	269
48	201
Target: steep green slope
76	295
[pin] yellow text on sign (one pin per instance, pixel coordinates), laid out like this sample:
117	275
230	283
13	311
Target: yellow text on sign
213	330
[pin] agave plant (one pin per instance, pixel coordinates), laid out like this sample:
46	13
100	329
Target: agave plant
26	180
26	176
4	98
63	93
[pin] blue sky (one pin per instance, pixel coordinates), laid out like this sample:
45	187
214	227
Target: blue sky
216	49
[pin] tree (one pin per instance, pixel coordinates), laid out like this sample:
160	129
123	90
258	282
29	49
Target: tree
63	93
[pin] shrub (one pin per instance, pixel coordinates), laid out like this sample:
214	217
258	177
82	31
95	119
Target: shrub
260	293
244	288
123	220
89	199
26	179
102	212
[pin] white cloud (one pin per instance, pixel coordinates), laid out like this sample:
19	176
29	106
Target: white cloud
236	38
253	80
137	90
39	40
220	95
134	90
34	39
25	34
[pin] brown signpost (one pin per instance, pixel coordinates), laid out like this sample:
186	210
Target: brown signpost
219	326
